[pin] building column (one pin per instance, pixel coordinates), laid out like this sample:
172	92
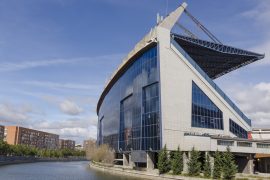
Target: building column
249	167
131	163
186	156
125	160
250	164
212	160
150	160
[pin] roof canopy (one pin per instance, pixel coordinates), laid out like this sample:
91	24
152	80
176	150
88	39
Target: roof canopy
215	59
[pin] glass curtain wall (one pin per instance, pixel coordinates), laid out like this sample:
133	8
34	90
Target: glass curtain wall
238	130
100	127
205	114
150	118
125	124
122	108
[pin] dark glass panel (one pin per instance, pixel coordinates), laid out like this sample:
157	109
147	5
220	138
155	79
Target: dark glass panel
125	120
205	114
238	130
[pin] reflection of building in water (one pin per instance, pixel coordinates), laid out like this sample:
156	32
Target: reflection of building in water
164	94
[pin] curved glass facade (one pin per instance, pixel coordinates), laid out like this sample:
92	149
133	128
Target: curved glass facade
129	116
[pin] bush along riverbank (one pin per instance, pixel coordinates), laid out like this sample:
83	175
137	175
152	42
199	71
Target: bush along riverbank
10	154
224	166
171	165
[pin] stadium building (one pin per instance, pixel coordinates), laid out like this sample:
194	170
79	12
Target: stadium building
163	93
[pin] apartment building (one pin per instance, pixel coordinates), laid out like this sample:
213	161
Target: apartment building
30	137
2	132
66	144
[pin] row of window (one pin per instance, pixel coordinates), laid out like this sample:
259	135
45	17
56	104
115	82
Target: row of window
205	114
238	130
241	144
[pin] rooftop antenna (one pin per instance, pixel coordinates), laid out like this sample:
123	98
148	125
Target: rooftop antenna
167	4
159	18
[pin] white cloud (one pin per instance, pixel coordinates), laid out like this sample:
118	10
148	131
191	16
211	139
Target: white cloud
22	65
4	67
70	107
260	13
11	113
55	85
75	128
254	100
260	16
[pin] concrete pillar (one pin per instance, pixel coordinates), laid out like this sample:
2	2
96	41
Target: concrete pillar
186	156
131	163
125	160
150	160
251	164
265	165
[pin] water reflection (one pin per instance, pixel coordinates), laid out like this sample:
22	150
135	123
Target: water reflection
55	171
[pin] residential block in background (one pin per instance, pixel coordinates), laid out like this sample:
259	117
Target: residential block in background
66	144
15	135
2	132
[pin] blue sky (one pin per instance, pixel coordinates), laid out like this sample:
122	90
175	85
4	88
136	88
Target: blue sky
56	55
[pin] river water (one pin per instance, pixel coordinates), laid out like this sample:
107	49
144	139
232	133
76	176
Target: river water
55	171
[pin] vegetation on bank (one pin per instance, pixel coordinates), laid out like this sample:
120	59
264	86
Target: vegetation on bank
23	150
102	153
224	165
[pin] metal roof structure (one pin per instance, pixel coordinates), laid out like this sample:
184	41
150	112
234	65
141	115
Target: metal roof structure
213	58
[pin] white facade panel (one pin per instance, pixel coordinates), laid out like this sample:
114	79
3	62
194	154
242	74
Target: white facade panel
176	76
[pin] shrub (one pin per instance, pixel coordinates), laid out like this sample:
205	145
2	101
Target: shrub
171	157
194	166
217	170
207	167
177	162
103	153
4	148
163	161
229	166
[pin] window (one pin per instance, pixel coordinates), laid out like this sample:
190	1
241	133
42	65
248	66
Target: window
205	114
260	145
150	121
225	143
125	124
238	130
100	134
244	144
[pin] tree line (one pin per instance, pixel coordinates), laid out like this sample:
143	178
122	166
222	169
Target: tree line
223	167
23	150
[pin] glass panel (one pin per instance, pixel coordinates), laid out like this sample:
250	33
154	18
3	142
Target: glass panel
125	120
205	114
238	130
150	117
